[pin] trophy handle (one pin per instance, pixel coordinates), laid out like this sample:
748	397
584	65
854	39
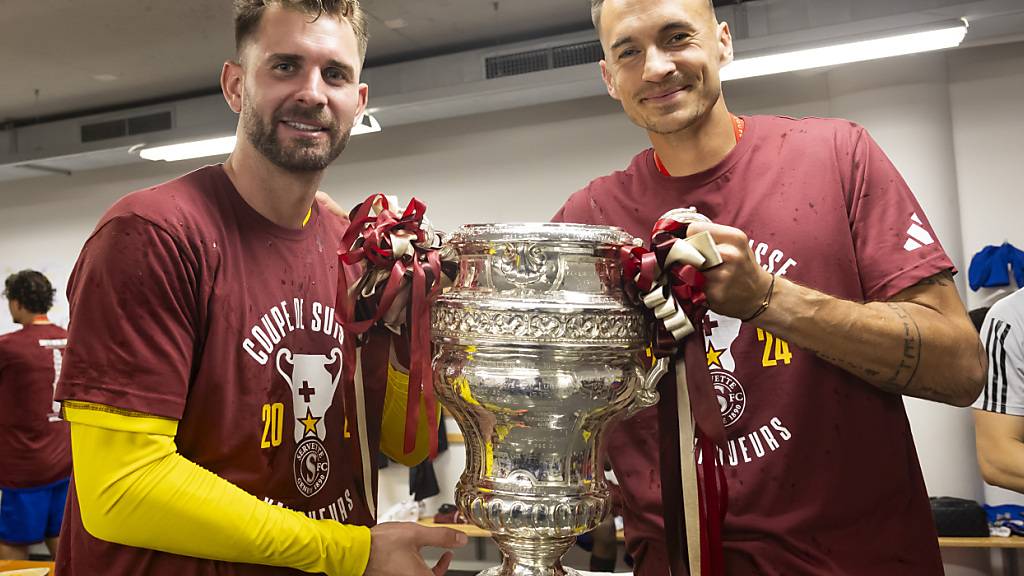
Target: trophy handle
647	394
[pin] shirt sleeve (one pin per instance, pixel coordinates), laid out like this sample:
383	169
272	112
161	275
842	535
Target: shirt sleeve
895	244
578	209
1004	343
134	488
132	329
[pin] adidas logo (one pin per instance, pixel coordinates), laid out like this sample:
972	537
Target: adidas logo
918	235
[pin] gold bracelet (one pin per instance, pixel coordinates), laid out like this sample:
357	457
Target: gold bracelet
764	303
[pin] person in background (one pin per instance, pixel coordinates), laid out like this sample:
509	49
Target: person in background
209	433
999	409
35	453
834	301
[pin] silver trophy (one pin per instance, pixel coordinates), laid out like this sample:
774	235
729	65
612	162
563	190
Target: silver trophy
537	349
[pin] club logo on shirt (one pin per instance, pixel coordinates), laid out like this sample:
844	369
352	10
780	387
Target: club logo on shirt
313	387
719	334
919	237
731	399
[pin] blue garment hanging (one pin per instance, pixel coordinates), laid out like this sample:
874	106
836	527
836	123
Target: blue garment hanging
990	267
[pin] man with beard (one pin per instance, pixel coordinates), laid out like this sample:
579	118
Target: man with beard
209	433
833	301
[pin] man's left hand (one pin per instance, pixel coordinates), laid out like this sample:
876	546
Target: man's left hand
738	285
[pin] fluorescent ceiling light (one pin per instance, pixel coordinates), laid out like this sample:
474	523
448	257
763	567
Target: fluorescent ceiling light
223	146
948	36
186	150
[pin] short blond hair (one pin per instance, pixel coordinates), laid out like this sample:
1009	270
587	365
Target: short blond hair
248	14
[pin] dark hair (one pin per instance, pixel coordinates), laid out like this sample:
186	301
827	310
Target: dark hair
595	11
248	14
978	317
30	289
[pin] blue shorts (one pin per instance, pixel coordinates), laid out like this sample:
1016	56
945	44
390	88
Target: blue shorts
30	515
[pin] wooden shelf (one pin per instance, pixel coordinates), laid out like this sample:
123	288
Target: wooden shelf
471	530
990	542
6	565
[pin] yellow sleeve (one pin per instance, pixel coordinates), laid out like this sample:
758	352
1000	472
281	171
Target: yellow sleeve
135	489
392	432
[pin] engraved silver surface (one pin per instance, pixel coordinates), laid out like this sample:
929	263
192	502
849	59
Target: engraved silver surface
537	349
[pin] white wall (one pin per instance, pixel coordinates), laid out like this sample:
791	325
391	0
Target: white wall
986	87
987	90
950	122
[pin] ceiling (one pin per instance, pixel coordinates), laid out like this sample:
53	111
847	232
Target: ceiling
65	58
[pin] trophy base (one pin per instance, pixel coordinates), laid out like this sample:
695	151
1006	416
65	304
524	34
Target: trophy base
529	571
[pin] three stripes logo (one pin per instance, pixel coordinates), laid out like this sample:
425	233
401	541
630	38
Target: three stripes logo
918	235
994	397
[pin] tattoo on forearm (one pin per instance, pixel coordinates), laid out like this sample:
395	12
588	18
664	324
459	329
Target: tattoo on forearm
852	367
911	357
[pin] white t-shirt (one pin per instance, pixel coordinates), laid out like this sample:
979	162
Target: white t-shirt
1002	333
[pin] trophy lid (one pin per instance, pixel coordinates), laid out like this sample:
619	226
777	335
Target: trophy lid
547	232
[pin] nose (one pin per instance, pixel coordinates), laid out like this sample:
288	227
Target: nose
311	91
657	65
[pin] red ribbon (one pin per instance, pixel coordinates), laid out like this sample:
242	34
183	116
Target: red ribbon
647	270
368	252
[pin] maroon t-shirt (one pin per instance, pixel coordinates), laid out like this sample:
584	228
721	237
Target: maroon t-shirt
34	445
822	471
187	303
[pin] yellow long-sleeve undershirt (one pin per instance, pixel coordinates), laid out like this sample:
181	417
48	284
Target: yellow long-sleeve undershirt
134	488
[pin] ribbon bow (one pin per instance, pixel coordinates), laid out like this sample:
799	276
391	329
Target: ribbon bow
667	279
390	270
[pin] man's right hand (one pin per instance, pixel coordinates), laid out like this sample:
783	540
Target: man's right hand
395	549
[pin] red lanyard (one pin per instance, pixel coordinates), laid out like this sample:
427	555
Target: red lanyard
737	130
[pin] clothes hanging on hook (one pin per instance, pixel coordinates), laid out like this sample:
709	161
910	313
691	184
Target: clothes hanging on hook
991	266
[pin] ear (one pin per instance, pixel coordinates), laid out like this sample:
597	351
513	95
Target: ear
364	94
725	54
609	82
231	85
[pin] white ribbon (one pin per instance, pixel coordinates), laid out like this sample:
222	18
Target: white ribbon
660	299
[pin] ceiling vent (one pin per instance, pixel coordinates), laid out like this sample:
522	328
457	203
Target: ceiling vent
543	59
122	127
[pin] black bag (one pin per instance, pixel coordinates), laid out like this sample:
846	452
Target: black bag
959	517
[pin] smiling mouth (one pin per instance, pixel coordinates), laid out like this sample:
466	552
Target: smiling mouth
303	127
664	96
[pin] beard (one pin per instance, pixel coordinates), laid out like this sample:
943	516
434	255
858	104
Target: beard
696	107
300	155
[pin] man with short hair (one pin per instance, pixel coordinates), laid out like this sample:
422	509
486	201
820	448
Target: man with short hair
209	431
999	410
35	459
833	301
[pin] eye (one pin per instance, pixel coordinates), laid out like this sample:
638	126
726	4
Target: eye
284	67
336	75
627	53
677	38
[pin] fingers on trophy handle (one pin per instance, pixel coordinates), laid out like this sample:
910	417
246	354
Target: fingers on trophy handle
705	244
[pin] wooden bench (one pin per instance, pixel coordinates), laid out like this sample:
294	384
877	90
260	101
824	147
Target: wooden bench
1008	546
7	565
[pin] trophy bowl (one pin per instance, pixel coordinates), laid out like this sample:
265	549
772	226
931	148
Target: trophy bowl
537	349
